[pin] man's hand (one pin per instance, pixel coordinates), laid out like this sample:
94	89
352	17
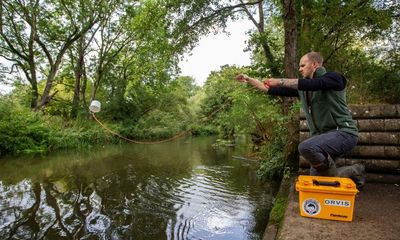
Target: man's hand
252	81
242	78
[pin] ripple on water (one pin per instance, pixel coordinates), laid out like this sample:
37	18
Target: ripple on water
211	209
173	196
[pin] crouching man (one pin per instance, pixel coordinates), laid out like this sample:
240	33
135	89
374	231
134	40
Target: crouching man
323	98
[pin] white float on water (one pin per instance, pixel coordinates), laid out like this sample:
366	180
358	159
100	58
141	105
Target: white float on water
95	106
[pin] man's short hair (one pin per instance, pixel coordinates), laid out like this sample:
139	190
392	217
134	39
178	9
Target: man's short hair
315	57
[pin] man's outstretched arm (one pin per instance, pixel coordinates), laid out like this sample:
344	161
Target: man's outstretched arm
264	86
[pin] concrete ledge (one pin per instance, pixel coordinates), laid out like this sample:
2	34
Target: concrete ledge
376	216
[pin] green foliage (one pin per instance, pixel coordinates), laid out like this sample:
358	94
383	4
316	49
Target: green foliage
237	108
273	157
273	35
21	130
39	33
80	135
157	124
159	111
326	27
352	38
386	58
25	131
203	130
185	86
218	99
369	81
386	86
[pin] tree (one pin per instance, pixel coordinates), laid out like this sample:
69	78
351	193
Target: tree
290	27
16	45
36	35
263	37
78	63
113	38
234	108
330	28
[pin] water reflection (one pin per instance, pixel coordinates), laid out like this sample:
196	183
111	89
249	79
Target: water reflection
179	190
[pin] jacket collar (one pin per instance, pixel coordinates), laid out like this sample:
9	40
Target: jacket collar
319	72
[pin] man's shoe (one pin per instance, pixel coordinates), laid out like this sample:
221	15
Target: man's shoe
326	168
358	176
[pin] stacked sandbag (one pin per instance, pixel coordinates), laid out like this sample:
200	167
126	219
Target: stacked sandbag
378	148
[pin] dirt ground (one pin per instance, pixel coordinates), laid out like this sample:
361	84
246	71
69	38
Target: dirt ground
376	216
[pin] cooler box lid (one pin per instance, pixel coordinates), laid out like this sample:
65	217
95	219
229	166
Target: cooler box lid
326	185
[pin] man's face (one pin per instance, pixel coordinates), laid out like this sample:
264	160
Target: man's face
306	67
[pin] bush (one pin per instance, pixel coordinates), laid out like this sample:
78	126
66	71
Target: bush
203	130
25	131
21	130
156	124
273	162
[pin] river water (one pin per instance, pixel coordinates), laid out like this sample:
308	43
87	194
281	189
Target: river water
184	189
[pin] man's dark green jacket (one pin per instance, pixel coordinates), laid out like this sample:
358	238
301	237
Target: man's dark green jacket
324	102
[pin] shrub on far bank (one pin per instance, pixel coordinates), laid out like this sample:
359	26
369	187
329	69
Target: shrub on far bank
24	131
21	130
203	130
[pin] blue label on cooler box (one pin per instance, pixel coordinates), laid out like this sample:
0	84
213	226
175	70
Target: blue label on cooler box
311	206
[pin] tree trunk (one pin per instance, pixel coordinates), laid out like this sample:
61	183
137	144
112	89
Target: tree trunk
34	94
49	83
290	62
83	88
290	26
78	71
32	66
268	54
304	33
33	80
99	76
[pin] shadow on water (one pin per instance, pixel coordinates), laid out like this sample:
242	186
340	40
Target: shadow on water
178	190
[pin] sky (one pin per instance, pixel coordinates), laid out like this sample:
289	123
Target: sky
214	51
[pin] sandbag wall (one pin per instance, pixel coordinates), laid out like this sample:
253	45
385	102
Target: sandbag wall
378	147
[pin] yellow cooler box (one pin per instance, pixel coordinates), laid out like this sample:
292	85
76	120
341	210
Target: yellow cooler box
326	197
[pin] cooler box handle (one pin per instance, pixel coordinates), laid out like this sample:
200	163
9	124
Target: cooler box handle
326	183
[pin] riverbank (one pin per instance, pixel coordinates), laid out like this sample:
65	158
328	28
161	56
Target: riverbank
376	215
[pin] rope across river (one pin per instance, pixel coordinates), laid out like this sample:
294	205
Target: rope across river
95	107
180	134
